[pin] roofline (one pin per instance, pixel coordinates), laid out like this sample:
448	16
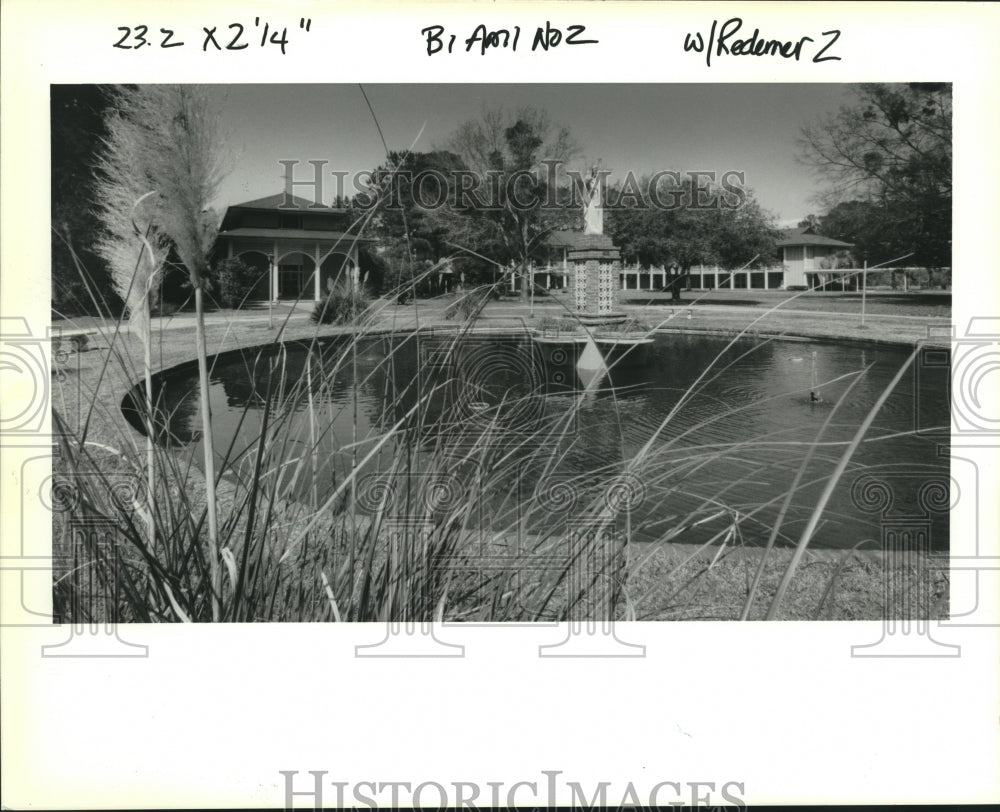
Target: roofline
311	209
299	204
294	234
791	241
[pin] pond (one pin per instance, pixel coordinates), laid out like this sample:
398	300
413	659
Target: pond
723	434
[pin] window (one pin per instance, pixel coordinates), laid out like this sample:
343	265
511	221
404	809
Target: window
258	220
320	223
290	221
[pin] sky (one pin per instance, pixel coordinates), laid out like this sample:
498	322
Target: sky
641	128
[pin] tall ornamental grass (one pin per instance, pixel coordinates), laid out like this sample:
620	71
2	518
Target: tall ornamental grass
447	508
456	502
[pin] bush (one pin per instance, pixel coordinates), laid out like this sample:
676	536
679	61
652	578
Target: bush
633	325
343	305
166	309
939	278
234	280
467	305
566	324
63	346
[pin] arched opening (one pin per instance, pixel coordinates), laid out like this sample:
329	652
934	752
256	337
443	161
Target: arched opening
260	268
295	276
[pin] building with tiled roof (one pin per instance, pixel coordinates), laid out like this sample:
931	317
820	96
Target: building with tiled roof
803	252
287	238
807	236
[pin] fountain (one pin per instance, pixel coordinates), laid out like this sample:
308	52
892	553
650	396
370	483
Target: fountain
594	263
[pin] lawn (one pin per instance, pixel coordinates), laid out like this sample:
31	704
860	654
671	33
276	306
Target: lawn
914	304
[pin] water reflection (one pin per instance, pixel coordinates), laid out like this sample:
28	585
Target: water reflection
720	436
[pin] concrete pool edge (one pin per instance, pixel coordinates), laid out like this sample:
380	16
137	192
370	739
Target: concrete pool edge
451	328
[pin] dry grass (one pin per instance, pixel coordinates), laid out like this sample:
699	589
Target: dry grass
829	585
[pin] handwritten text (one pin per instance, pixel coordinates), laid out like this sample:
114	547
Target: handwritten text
722	41
232	37
482	40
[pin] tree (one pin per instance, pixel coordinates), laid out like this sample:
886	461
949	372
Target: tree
857	222
412	232
744	236
409	211
515	157
688	231
892	151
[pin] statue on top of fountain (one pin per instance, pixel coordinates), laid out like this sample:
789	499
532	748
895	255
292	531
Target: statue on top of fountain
591	261
593	208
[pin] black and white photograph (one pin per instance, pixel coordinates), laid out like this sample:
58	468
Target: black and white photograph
498	405
475	353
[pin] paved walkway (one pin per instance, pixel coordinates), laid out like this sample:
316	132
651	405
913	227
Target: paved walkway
186	320
834	315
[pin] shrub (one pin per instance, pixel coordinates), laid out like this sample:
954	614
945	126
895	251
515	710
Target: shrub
63	347
343	305
633	325
466	306
939	279
234	280
566	324
164	309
